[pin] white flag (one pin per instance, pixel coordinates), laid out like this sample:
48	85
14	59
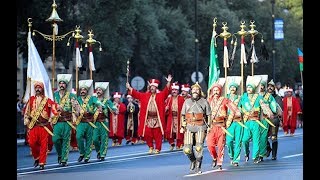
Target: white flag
91	61
36	72
243	58
78	57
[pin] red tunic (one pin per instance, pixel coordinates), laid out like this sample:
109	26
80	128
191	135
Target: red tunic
144	99
169	117
295	109
118	129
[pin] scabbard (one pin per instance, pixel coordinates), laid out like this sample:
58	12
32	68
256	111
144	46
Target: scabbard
241	124
71	125
269	122
48	130
105	126
261	124
226	131
91	124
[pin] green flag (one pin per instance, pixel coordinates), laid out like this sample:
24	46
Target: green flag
301	67
214	70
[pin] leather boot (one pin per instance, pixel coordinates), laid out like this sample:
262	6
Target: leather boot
274	150
268	149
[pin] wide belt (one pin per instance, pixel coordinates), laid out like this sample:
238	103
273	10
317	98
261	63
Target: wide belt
87	117
194	119
237	119
65	116
254	116
174	113
219	121
41	120
150	114
101	120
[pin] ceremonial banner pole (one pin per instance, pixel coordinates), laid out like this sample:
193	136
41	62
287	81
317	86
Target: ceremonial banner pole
243	59
253	58
54	37
91	42
78	37
128	70
225	35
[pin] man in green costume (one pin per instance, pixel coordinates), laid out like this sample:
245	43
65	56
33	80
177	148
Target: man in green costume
250	104
264	150
63	122
236	128
85	106
101	119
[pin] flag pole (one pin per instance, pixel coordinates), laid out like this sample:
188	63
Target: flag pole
253	58
301	78
78	38
242	33
90	41
225	35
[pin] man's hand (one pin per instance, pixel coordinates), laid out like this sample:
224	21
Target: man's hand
181	130
128	86
169	78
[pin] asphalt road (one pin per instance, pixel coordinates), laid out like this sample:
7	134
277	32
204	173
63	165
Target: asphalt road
133	162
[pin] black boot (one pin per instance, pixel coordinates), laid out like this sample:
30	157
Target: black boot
59	159
274	150
98	155
268	149
214	163
36	163
80	158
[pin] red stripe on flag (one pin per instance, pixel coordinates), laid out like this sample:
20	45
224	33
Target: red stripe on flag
301	59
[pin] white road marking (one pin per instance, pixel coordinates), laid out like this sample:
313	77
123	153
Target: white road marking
295	155
205	172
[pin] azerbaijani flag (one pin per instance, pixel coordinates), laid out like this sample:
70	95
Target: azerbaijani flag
300	57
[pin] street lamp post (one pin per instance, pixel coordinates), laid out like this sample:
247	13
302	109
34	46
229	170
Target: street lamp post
196	41
273	48
54	18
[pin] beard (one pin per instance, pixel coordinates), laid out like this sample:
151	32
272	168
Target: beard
195	96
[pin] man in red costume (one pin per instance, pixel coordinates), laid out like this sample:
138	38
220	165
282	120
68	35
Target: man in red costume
152	113
217	131
117	120
291	108
36	117
173	113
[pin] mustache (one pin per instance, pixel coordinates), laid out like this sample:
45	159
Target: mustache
38	91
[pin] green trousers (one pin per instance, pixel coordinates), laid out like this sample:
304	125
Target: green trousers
84	139
101	138
234	143
61	139
253	132
263	138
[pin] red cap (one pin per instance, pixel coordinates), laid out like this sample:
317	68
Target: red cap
116	95
175	86
185	87
154	82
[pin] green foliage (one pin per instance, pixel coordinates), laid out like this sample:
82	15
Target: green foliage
158	36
